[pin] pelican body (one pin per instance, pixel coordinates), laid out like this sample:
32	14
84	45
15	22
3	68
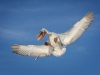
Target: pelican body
56	42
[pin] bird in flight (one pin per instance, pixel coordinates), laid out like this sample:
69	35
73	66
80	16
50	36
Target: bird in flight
56	43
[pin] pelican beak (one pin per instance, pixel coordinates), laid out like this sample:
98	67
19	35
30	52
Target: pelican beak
41	35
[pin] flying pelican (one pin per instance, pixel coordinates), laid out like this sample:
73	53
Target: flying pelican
57	42
74	33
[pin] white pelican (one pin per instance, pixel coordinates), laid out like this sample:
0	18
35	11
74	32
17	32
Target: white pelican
57	42
74	33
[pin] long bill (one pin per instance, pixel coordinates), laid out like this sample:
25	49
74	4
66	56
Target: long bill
41	35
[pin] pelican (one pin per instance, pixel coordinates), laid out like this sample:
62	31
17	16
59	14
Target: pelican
56	44
71	35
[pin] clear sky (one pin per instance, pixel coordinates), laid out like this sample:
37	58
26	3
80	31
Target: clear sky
20	22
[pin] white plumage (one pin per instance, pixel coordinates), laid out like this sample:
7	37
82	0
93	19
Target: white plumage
33	50
57	42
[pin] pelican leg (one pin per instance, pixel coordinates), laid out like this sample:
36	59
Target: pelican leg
36	57
43	54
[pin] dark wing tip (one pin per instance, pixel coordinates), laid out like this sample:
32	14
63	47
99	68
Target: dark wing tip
89	16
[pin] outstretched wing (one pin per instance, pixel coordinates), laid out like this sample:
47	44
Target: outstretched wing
33	50
76	31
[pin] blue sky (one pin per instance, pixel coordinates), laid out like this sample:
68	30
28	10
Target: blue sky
20	22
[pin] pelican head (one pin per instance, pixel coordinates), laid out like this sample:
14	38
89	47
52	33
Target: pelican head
42	33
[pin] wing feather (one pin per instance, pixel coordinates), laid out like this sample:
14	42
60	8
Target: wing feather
33	50
76	31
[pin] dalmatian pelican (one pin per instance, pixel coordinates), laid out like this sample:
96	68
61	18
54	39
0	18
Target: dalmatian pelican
56	44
